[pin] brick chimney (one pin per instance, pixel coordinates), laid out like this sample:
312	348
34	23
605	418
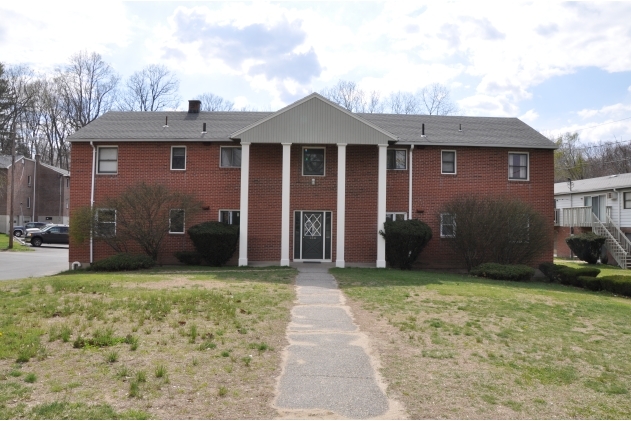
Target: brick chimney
194	105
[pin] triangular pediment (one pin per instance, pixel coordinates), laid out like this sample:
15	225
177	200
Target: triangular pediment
314	120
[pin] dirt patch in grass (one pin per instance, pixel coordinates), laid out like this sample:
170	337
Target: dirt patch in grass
456	347
159	346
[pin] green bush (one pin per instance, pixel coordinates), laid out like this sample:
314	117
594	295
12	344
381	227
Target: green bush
618	284
551	271
122	261
591	283
216	242
189	257
504	272
404	241
586	246
569	276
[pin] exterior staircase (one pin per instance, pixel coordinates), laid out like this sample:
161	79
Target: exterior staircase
616	242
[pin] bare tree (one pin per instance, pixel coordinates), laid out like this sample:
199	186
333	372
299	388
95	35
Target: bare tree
212	102
154	88
88	87
374	103
347	95
569	159
436	100
404	103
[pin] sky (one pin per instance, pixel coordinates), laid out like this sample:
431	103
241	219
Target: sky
557	66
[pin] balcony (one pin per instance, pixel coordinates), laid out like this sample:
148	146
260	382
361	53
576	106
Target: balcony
580	216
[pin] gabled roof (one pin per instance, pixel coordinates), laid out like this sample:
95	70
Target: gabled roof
619	181
313	97
5	160
225	126
61	171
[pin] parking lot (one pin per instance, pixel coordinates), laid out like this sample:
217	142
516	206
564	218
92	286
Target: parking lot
48	259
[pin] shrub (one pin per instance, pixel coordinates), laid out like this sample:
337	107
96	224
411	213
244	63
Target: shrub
591	283
618	284
216	242
122	261
404	241
551	271
586	246
504	272
569	276
189	257
496	229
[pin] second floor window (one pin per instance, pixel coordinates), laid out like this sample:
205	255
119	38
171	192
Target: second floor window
397	159
518	166
448	162
178	157
29	180
313	161
107	160
230	157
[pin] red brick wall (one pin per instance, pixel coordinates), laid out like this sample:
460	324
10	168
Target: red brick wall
480	170
217	188
560	234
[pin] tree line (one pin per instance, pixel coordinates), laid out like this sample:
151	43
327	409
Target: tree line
577	161
39	111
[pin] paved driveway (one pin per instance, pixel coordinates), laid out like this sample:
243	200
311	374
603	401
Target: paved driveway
44	260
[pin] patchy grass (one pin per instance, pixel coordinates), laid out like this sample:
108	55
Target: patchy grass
4	244
605	270
454	346
143	345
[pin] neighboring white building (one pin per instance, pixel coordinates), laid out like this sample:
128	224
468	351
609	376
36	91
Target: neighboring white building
602	205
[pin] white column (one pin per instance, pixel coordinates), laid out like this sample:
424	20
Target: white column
245	183
381	206
341	204
410	184
284	241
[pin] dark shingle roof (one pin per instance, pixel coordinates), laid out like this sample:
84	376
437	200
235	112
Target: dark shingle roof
136	125
476	131
439	130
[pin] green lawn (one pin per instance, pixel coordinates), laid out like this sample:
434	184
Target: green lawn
4	244
162	344
605	270
454	346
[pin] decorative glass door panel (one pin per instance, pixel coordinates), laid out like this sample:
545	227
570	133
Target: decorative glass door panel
312	238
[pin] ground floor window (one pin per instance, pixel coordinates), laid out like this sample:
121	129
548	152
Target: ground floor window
447	225
231	217
396	216
106	222
176	221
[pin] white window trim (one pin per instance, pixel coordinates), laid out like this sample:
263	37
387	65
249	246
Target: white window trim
220	154
406	159
302	160
183	223
405	215
455	162
98	159
623	199
527	166
185	158
441	226
227	210
107	209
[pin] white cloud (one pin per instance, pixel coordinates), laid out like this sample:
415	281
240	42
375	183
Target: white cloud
529	116
616	111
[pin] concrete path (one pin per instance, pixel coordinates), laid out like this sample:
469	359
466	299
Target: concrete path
328	371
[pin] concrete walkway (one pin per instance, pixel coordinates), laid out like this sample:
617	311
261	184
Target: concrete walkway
327	368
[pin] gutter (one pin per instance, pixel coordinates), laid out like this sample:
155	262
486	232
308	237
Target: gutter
92	200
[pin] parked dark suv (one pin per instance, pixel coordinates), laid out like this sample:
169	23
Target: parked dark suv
19	230
50	234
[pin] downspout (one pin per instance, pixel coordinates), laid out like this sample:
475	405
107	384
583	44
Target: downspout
410	185
92	199
34	188
60	184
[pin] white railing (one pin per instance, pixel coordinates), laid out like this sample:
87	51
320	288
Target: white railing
580	216
557	217
613	245
618	234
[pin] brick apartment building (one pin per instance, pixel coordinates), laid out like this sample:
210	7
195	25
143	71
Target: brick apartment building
42	192
312	181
